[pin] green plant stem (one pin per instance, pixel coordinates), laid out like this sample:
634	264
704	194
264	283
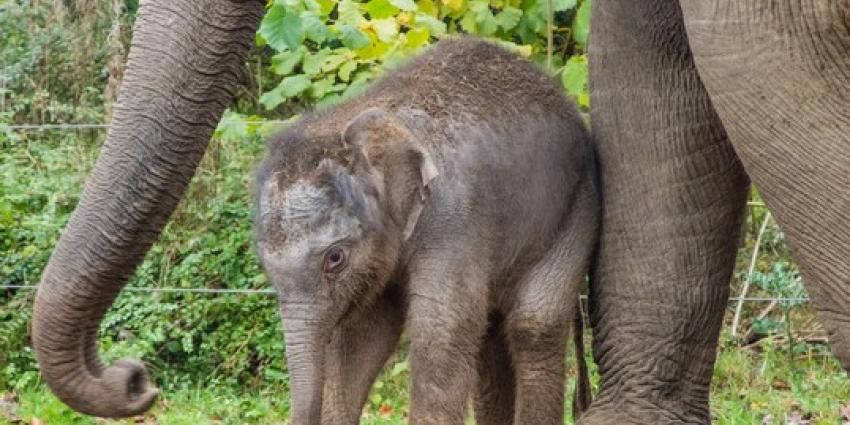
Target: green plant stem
789	335
550	41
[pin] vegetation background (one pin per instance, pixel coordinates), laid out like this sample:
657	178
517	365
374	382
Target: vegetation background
219	358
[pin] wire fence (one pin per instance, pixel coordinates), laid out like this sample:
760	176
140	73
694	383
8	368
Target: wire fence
46	127
227	291
215	291
98	126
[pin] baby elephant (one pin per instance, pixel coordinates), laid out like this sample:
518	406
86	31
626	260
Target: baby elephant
456	195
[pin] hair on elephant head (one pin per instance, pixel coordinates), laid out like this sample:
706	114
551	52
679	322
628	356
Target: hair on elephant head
345	218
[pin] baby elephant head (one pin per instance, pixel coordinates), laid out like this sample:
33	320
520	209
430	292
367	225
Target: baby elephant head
332	217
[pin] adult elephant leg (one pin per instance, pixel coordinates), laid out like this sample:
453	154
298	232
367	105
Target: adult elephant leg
673	197
182	70
779	76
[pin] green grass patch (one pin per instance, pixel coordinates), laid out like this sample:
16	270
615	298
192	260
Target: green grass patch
749	387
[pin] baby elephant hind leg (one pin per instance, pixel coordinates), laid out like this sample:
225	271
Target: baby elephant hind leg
537	325
494	397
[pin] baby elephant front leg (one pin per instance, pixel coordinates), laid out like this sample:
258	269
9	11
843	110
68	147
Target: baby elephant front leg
494	398
538	356
447	318
357	352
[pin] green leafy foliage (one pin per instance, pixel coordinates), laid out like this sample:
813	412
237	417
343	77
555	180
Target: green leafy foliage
282	29
574	79
323	50
186	338
61	61
581	24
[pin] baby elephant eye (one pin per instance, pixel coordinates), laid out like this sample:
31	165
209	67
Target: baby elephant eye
334	259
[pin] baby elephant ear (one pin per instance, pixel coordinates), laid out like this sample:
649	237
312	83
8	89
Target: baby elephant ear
388	150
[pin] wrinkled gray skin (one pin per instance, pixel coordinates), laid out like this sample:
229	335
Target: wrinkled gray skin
687	101
458	190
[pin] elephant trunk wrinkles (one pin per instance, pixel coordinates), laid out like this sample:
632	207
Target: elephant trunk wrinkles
184	61
306	341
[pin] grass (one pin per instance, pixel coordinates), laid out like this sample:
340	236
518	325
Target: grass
749	387
753	388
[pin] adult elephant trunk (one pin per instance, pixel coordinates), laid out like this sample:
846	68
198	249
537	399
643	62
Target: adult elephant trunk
182	71
306	341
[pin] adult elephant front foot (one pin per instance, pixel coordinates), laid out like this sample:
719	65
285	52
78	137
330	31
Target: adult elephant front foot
600	415
640	413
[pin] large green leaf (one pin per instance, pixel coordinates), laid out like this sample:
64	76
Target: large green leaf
281	29
574	78
313	62
349	13
485	22
345	70
508	18
434	25
352	37
407	5
380	9
314	27
428	6
231	127
532	24
326	6
581	24
325	86
417	37
387	29
562	5
284	62
289	87
335	60
469	23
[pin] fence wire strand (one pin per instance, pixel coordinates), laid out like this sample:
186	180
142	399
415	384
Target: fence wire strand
226	291
169	290
97	126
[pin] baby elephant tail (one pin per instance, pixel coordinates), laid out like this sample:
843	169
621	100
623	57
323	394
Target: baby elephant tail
582	396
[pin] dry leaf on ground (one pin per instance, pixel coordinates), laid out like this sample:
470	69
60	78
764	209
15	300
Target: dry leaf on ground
797	418
9	408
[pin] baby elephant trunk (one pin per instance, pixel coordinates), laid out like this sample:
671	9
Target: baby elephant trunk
306	339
